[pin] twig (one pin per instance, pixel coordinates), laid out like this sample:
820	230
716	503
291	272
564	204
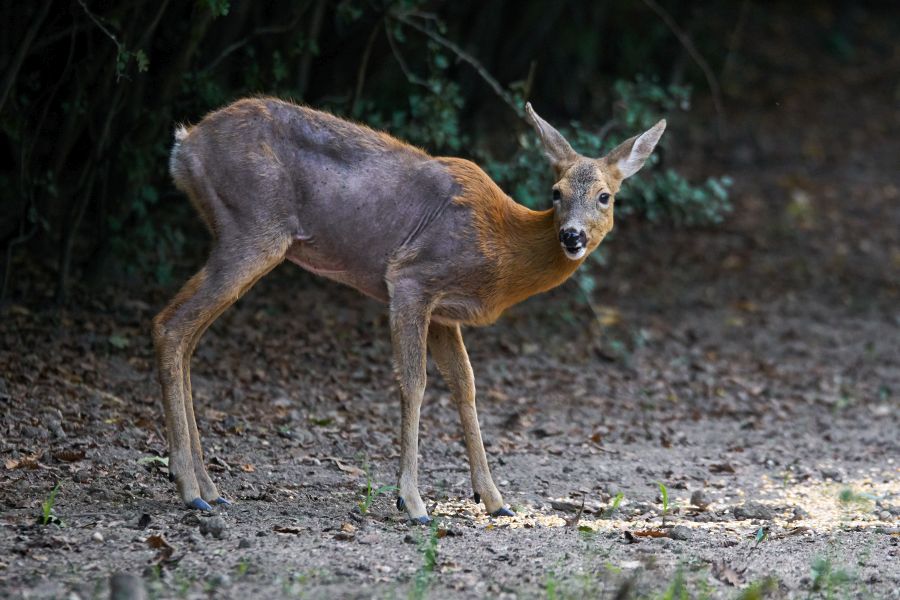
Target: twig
466	57
231	48
102	27
363	67
410	76
13	69
692	51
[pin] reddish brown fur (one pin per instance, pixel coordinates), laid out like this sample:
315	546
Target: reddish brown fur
520	244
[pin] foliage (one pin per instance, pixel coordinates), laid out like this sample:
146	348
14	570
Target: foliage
47	514
656	194
90	108
429	550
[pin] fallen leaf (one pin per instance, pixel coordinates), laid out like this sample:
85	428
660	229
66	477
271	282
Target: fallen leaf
69	455
721	468
26	462
248	468
163	548
348	527
291	530
652	533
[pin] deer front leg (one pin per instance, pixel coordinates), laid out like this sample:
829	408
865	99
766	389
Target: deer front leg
449	354
409	323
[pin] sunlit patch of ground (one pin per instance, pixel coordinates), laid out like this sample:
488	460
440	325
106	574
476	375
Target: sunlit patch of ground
825	506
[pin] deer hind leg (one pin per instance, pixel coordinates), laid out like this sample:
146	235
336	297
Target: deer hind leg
227	275
449	354
409	324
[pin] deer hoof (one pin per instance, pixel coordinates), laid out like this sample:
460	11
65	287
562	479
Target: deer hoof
222	501
199	504
424	520
401	504
476	497
503	512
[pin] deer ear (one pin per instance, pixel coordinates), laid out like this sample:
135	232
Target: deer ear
630	155
557	149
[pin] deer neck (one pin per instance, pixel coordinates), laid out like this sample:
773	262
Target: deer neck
530	259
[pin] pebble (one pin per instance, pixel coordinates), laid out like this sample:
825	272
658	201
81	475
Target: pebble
699	499
753	510
97	537
884	515
680	533
245	543
214	526
799	514
832	474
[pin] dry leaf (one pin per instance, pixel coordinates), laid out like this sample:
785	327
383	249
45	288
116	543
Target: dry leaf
159	543
652	533
69	455
26	462
248	468
291	530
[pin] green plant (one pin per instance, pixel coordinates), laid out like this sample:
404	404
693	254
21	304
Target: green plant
429	550
664	495
614	506
47	515
759	589
370	492
828	579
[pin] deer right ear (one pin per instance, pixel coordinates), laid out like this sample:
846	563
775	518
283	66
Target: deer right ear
630	155
557	149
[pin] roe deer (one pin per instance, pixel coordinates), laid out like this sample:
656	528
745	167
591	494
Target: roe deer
434	238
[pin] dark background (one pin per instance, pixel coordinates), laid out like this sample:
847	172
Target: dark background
91	92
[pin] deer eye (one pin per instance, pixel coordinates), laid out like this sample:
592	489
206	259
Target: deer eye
557	195
603	199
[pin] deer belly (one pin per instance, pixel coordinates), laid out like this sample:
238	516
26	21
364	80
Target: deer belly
336	269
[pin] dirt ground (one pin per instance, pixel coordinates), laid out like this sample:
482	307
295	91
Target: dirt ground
753	370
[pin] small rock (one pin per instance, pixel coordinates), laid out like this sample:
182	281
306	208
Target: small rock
124	586
82	476
409	539
220	580
699	499
680	533
214	526
245	543
884	515
832	474
799	514
753	510
97	536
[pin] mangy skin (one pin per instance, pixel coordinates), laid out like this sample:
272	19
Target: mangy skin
434	238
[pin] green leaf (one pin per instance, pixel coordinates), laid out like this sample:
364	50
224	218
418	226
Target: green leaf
118	341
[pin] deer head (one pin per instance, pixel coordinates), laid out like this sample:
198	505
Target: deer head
584	193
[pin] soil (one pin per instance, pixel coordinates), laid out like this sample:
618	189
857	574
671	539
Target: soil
751	369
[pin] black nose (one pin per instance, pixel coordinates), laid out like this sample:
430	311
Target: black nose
572	239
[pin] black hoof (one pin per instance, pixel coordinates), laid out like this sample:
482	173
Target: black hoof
426	520
401	504
503	512
199	504
476	497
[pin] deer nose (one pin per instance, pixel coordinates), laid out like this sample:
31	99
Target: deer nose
573	240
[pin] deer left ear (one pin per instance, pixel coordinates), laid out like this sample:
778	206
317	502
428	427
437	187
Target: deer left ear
630	155
557	149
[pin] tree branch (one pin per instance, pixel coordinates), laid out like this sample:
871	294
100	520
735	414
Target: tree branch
695	55
465	57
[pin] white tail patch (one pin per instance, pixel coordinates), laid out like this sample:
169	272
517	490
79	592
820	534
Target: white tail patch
181	132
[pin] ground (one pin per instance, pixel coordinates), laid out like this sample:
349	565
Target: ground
749	372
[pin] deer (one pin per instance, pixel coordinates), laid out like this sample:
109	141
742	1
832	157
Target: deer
433	238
